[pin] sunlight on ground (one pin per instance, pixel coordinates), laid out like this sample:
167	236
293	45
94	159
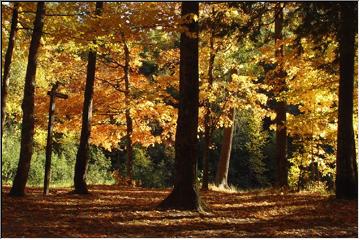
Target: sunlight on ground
230	189
131	212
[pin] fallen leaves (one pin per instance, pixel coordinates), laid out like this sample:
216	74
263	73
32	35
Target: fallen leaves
112	211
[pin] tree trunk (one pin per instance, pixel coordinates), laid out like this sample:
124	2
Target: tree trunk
280	108
185	196
27	130
129	124
48	150
83	151
346	182
7	64
221	179
207	123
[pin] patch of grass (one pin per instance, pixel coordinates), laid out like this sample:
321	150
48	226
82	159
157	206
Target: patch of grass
317	187
233	189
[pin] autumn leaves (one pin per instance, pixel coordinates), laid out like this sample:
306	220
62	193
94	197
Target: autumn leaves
230	59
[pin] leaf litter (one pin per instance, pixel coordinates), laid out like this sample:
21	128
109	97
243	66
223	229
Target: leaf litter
113	211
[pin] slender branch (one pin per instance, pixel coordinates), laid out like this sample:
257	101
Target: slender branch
114	85
108	113
111	60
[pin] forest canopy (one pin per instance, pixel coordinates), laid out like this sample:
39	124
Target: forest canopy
159	94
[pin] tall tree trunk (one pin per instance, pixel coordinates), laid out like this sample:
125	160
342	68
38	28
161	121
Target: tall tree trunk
129	124
184	195
7	64
27	130
280	108
83	151
207	123
346	182
221	179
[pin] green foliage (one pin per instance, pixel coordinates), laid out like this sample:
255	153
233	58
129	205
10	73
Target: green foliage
269	152
10	155
62	169
99	170
143	167
247	167
63	161
37	166
153	166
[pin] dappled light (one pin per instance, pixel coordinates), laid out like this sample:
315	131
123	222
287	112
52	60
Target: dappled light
111	211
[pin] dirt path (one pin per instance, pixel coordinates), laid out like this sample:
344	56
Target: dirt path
111	211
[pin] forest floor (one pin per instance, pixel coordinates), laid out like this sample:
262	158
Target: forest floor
112	211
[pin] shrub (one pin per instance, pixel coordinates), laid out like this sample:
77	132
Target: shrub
10	156
62	162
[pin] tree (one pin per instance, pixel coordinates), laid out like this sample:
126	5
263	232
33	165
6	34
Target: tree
225	153
7	64
27	131
184	194
207	121
346	171
280	108
82	154
129	124
313	84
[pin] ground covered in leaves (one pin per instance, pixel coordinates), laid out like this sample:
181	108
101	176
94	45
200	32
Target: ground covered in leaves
112	211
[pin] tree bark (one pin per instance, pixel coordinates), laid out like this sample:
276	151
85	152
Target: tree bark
27	130
207	123
7	64
129	124
280	108
346	182
83	151
221	179
49	140
184	195
52	94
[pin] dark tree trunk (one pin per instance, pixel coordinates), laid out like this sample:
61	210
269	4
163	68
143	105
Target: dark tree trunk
7	64
185	196
83	151
280	108
27	130
221	179
281	145
207	122
49	140
346	182
129	124
52	94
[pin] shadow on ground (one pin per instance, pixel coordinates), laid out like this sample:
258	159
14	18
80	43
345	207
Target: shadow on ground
111	211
